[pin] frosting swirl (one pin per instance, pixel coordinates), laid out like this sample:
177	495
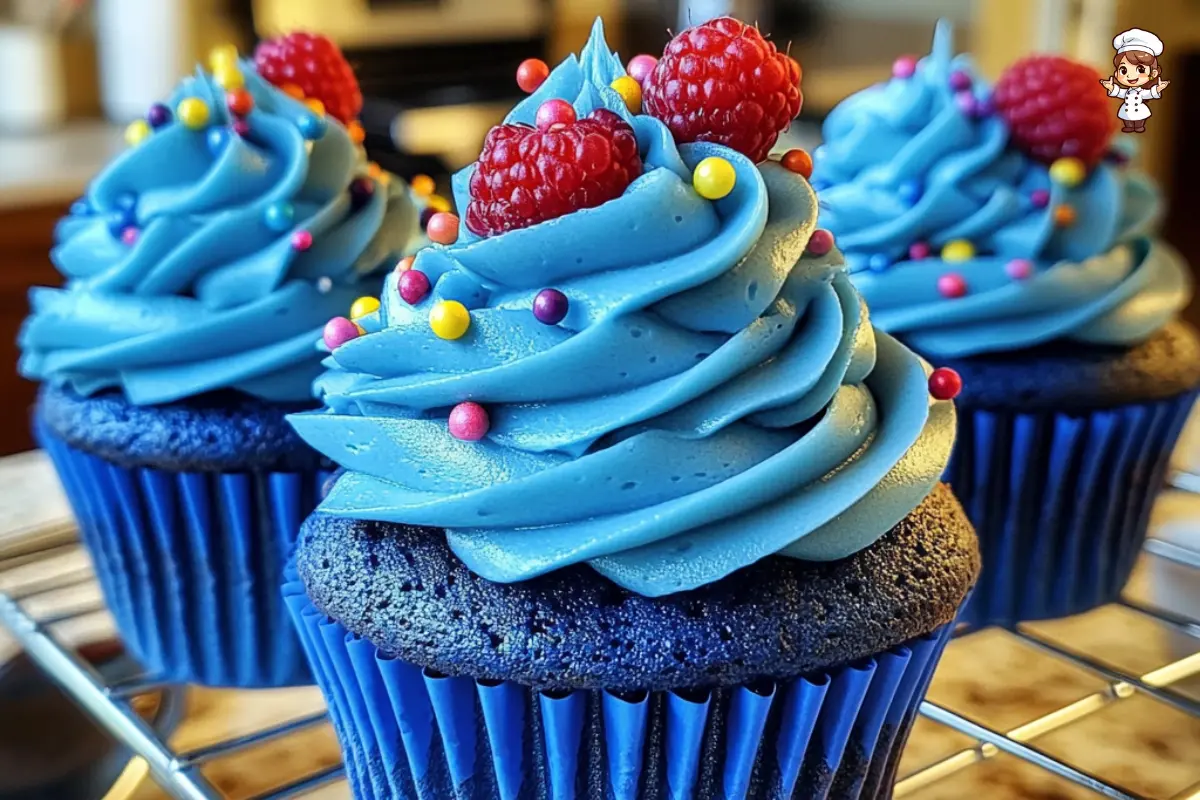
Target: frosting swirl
213	294
903	165
714	396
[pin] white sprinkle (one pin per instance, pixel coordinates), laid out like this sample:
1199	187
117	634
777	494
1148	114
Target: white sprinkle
325	285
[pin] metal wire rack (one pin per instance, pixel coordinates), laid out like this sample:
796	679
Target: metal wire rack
179	773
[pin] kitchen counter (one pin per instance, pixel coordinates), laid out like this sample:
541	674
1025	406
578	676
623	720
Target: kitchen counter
54	168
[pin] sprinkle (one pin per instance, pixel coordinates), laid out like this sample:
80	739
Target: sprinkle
312	127
357	134
413	286
640	67
279	216
361	191
449	319
222	56
878	262
193	112
302	240
798	161
1064	215
958	250
944	384
555	112
1040	198
910	191
229	77
904	67
960	81
1069	172
137	132
630	91
820	243
967	103
985	107
531	74
241	127
374	171
952	285
158	115
442	228
468	422
363	306
315	106
405	264
423	185
550	306
714	178
129	236
239	102
324	284
1019	269
293	91
338	331
919	251
438	203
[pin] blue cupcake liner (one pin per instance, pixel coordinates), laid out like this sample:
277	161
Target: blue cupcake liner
409	733
190	563
1061	502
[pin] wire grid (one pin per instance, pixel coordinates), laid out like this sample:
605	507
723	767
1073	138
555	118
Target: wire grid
179	773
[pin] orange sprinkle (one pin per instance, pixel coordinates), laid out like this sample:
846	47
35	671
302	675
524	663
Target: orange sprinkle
799	162
293	91
1064	216
423	185
357	134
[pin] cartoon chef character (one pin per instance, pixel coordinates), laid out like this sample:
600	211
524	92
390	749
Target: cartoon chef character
1136	78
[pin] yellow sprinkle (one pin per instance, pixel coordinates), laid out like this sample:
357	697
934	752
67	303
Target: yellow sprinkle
316	106
438	203
630	91
137	132
423	185
229	77
192	112
293	91
363	306
1069	172
449	319
958	250
714	178
222	55
374	170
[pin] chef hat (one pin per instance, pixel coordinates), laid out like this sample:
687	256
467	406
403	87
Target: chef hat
1138	39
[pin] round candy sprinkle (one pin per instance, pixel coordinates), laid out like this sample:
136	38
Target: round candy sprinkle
278	216
363	306
967	103
640	67
137	132
315	106
1040	198
820	243
229	77
1064	215
904	67
449	319
312	126
423	185
958	250
442	228
878	262
324	284
531	74
405	264
555	112
222	56
714	178
960	81
630	91
910	191
1069	172
302	240
357	134
438	203
952	285
293	91
217	139
130	235
944	384
798	161
158	115
361	191
918	251
239	102
241	127
1019	269
985	106
413	286
192	112
469	422
338	331
550	306
375	171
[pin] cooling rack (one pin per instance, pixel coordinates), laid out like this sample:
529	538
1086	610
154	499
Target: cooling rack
179	773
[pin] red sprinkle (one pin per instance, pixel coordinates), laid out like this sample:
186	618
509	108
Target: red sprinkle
952	285
799	162
532	74
821	242
302	240
945	384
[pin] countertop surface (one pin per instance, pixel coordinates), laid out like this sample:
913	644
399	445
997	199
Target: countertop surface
54	167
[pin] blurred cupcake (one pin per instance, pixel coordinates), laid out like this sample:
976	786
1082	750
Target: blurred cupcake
998	233
636	502
200	269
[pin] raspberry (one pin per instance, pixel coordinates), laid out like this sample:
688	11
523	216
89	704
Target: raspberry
723	82
1055	108
317	67
525	176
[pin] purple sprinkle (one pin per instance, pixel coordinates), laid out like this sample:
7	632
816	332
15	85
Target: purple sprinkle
1040	198
158	115
361	191
985	106
550	306
919	251
1019	269
241	127
960	81
129	236
966	103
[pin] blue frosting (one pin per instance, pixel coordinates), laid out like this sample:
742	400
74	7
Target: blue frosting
212	294
714	396
902	164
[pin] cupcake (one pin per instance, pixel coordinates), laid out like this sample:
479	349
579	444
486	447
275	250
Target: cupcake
1001	234
635	502
200	269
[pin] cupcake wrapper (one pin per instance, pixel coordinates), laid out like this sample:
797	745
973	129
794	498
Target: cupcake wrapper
408	733
191	563
1060	502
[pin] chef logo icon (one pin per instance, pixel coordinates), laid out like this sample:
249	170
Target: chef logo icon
1136	78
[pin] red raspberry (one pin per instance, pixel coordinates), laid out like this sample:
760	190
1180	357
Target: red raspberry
723	82
525	176
317	66
1055	107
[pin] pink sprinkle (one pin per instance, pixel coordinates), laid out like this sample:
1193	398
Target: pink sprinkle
469	422
130	235
241	127
442	228
413	286
1040	198
302	240
555	112
952	285
919	251
1019	269
904	67
338	331
640	67
821	242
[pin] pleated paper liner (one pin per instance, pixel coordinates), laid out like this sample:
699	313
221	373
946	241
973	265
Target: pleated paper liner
191	563
1060	501
408	733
